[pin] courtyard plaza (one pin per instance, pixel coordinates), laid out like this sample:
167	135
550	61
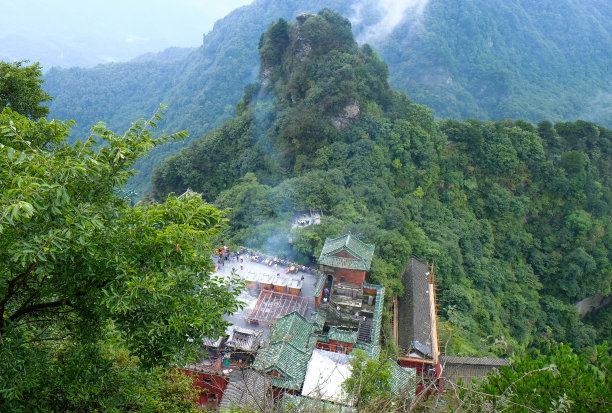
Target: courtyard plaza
256	270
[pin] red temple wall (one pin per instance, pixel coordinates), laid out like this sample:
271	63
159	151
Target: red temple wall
343	254
350	276
333	345
210	386
318	300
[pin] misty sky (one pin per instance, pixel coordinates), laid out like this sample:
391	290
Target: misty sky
104	30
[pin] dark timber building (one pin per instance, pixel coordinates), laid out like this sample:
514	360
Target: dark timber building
466	369
415	321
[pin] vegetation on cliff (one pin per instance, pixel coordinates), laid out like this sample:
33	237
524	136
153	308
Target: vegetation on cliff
97	298
516	217
484	60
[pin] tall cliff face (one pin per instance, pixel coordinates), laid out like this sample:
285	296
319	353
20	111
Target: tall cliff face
516	217
469	59
314	84
315	66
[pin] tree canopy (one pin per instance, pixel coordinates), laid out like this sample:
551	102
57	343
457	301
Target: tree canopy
96	294
563	382
370	379
20	89
515	216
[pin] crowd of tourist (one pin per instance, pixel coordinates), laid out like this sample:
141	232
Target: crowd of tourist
238	256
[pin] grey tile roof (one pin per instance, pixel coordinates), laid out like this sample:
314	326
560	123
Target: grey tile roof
246	389
414	317
469	370
361	252
213	343
244	338
474	361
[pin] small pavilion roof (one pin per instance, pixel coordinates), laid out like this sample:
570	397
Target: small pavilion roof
189	192
342	335
285	357
347	252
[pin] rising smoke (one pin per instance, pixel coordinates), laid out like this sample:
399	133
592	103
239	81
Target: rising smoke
376	19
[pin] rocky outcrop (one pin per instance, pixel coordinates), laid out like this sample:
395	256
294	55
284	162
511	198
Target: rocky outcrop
348	115
266	75
303	45
594	302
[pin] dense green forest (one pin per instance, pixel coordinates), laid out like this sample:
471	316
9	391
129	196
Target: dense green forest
561	381
98	299
515	216
531	60
486	60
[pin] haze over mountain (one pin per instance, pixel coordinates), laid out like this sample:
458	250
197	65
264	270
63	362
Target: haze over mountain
516	217
71	33
487	60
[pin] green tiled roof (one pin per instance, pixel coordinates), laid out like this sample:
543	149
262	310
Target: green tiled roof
323	338
287	352
318	319
370	350
403	380
345	336
361	252
292	328
318	289
290	362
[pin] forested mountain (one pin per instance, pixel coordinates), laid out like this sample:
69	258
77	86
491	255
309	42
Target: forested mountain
520	59
516	217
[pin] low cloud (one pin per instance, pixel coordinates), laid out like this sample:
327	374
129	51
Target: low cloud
388	15
135	39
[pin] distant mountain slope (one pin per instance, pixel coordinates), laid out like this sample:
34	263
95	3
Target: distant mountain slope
516	217
166	55
529	60
49	51
497	59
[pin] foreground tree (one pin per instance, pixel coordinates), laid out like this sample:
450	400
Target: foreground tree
96	295
561	382
369	380
20	89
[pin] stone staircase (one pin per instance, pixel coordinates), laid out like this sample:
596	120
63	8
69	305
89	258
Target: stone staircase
365	330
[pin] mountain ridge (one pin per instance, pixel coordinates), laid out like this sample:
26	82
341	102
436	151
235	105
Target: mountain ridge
515	216
201	89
